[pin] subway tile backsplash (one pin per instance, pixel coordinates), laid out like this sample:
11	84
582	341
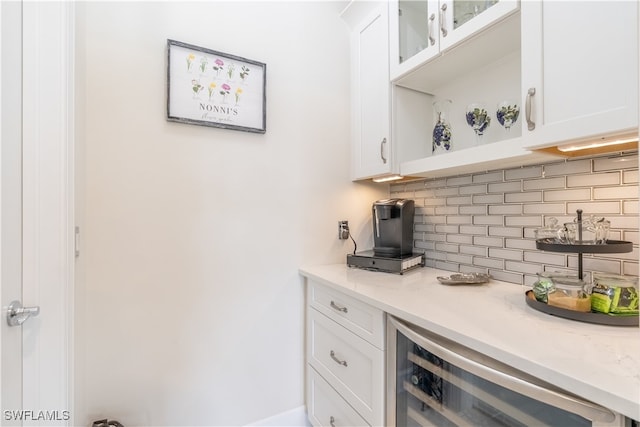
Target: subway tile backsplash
485	222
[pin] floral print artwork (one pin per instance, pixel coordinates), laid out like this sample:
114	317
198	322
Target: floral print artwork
206	86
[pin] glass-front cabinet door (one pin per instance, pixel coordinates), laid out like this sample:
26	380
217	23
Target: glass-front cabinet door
422	29
461	19
413	32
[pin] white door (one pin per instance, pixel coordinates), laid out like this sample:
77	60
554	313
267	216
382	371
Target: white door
36	211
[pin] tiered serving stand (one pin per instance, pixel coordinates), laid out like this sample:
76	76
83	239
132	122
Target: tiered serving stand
611	247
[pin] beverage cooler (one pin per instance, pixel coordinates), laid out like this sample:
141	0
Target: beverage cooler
436	382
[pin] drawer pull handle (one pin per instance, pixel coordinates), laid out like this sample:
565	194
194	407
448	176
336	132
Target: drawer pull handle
338	361
332	421
337	307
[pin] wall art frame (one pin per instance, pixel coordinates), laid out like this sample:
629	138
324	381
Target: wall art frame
210	88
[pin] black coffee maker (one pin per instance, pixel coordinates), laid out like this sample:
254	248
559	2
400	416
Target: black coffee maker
393	227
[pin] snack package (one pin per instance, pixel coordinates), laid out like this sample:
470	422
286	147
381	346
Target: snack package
613	296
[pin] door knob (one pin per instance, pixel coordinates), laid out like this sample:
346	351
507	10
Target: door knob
17	314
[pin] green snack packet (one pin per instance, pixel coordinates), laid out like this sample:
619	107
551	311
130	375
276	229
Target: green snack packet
601	298
625	300
542	288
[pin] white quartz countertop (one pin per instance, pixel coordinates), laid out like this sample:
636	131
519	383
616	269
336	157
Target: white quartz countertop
597	362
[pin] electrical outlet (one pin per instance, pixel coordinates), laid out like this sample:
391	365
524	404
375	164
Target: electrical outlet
343	230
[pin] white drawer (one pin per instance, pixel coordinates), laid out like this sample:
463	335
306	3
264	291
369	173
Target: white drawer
354	367
325	407
360	318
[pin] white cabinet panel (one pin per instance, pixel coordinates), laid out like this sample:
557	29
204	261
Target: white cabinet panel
371	152
582	60
327	407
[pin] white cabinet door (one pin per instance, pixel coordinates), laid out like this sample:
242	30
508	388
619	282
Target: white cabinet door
581	59
420	30
413	34
461	19
371	152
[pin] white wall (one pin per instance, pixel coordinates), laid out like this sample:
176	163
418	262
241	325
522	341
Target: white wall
189	306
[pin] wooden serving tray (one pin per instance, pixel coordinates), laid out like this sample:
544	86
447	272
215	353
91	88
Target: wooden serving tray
590	317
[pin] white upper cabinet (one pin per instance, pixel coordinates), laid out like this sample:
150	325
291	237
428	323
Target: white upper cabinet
421	30
372	153
579	70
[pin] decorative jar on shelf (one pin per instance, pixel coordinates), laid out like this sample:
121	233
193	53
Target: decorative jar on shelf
442	128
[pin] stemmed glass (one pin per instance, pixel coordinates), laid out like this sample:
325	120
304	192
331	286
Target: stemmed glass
507	113
478	119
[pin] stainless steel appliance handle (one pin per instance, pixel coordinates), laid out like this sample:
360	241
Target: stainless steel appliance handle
504	375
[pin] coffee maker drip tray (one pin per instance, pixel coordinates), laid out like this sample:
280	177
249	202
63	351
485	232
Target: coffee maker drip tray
369	261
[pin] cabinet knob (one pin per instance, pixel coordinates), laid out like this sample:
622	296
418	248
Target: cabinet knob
527	108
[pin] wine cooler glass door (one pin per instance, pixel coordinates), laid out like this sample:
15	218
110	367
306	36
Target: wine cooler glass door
434	388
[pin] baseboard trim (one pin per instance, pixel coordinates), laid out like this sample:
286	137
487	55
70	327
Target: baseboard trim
296	417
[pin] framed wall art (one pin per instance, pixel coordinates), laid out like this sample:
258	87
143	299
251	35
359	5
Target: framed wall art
210	88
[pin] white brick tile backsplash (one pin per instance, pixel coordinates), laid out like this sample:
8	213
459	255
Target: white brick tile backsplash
590	180
460	219
457	181
447	191
564	195
521	173
497	242
488	220
521	267
459	238
615	163
528	244
473	210
485	222
505	187
473	189
488	199
474	250
530	197
473	229
542	257
448	229
524	221
506	276
619	192
630	268
460	258
505	254
463	200
542	184
597	264
505	210
489	262
544	208
568	168
446	210
488	177
630	177
505	231
592	208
